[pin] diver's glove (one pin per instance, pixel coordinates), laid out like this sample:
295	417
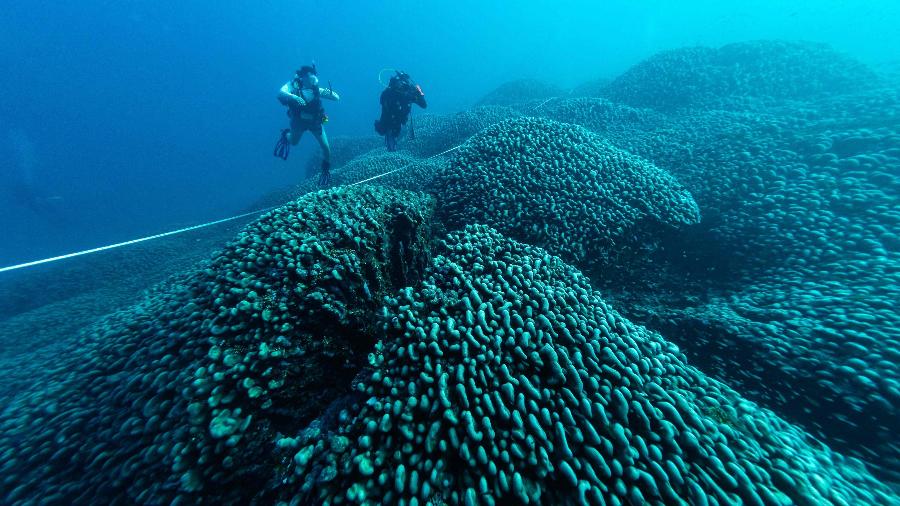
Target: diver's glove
325	174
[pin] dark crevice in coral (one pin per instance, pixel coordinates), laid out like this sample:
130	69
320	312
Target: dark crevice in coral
408	257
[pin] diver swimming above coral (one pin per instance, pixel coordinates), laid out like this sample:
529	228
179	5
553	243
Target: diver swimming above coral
303	98
396	104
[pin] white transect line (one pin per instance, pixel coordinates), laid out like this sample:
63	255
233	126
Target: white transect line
195	227
543	103
133	241
405	166
211	223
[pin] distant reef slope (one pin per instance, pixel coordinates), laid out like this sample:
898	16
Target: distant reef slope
521	91
730	75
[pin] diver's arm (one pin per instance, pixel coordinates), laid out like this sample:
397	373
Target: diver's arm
329	94
415	96
287	98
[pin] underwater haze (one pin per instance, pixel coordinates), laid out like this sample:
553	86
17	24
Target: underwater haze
630	253
121	119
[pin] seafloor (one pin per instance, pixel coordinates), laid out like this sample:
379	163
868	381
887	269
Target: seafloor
678	286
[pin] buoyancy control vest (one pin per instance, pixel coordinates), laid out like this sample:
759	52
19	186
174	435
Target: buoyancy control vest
313	110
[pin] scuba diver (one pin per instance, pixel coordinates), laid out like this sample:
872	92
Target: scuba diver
396	103
303	98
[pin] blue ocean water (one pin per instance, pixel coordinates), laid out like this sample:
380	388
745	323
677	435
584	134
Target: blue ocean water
122	119
637	252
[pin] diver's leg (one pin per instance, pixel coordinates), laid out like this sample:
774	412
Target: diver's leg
322	138
395	137
296	132
325	174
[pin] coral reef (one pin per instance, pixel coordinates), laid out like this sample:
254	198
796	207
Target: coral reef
505	379
740	202
438	132
738	75
560	187
185	393
592	88
795	266
522	91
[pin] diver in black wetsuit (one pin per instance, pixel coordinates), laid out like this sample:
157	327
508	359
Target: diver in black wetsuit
396	103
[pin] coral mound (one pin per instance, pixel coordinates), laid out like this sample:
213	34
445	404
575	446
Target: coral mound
559	186
438	132
521	91
505	379
774	70
184	394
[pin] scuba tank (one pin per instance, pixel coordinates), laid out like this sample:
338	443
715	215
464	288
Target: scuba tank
330	93
410	88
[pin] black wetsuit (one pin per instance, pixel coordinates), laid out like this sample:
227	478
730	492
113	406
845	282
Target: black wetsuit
396	102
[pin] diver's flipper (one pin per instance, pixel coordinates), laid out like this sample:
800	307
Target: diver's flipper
325	174
283	147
